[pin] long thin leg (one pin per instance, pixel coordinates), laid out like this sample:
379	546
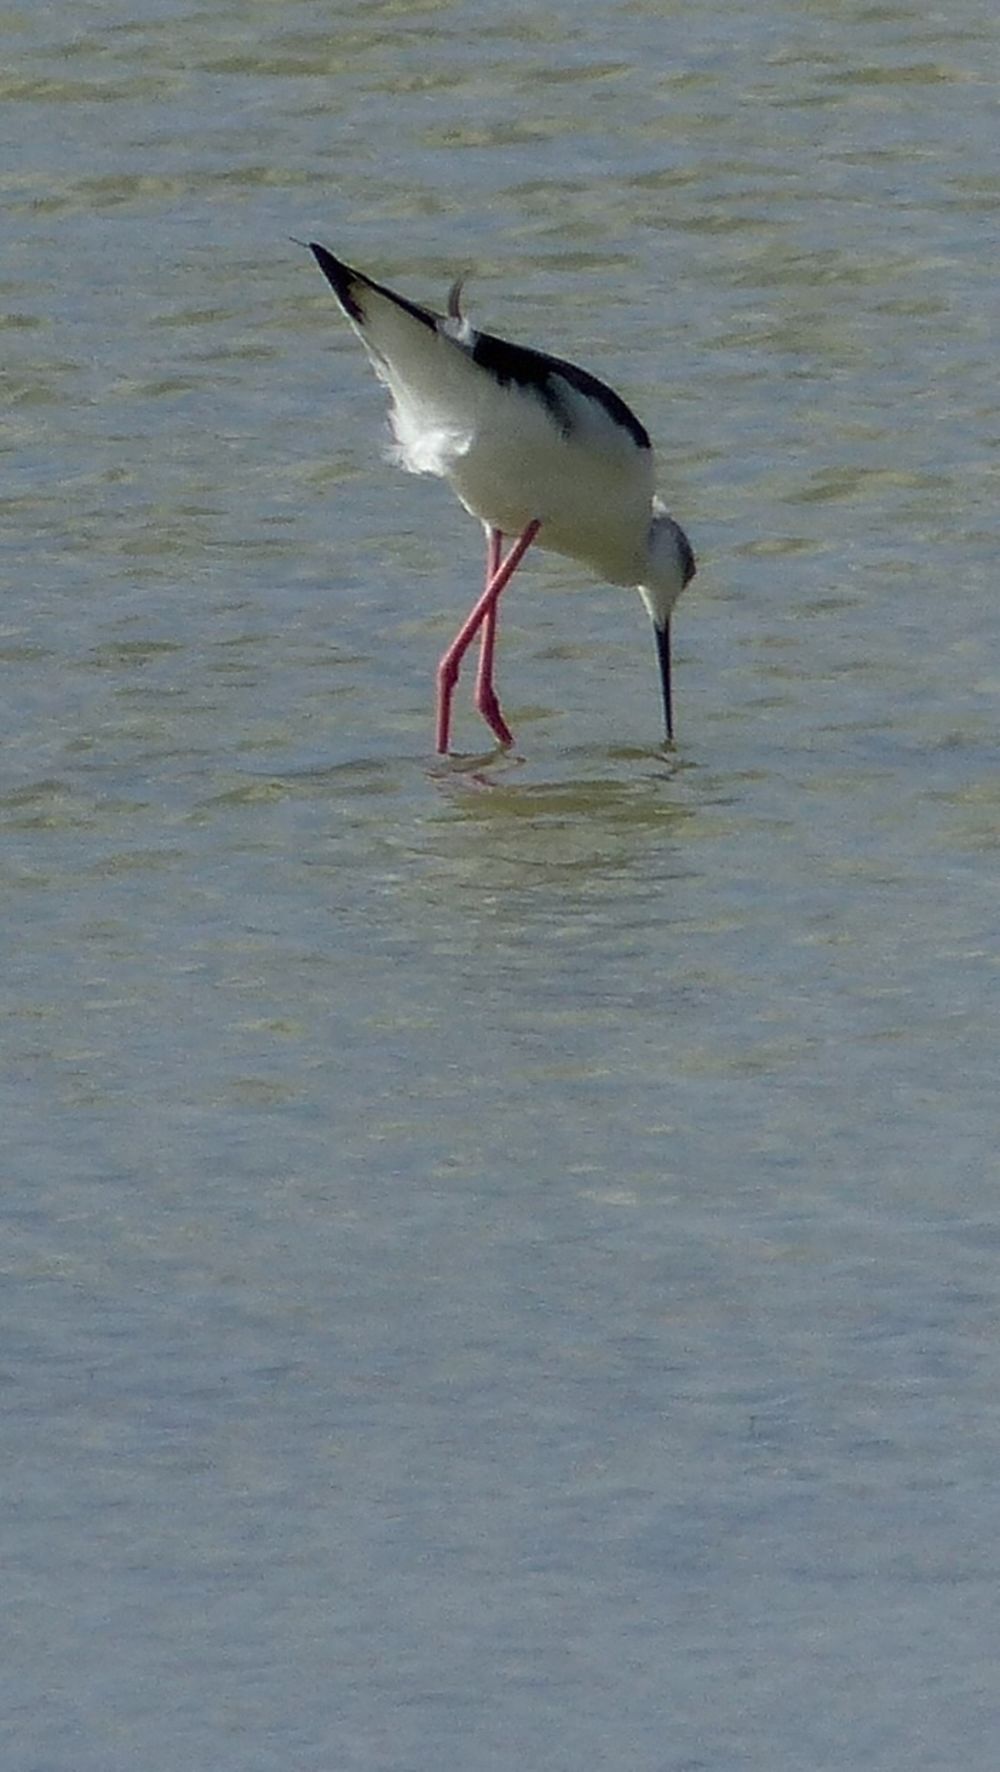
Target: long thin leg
494	555
447	671
487	700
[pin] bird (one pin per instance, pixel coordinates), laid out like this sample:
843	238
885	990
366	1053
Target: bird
539	450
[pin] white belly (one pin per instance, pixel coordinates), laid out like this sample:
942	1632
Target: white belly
592	507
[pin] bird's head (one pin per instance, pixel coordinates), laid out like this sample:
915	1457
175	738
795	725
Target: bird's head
670	565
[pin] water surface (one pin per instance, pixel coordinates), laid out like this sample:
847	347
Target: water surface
501	1256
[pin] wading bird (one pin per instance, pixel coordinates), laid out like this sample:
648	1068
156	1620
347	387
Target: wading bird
534	447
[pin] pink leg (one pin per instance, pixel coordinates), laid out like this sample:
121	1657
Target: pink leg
485	609
487	700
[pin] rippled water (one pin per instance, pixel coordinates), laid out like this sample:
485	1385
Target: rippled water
500	1255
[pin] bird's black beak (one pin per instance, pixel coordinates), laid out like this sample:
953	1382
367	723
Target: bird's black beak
663	651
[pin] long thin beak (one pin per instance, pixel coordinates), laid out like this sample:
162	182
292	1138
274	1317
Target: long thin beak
663	651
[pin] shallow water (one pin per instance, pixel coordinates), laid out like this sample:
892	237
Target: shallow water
500	1255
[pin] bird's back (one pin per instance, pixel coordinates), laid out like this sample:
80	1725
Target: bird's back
519	434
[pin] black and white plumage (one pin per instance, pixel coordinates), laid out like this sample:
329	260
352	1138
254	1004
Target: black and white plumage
534	447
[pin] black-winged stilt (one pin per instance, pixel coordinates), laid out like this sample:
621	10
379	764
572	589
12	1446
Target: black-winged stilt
534	447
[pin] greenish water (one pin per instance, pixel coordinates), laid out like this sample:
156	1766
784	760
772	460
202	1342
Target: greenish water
500	1256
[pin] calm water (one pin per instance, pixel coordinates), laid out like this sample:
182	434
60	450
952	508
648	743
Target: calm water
501	1259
